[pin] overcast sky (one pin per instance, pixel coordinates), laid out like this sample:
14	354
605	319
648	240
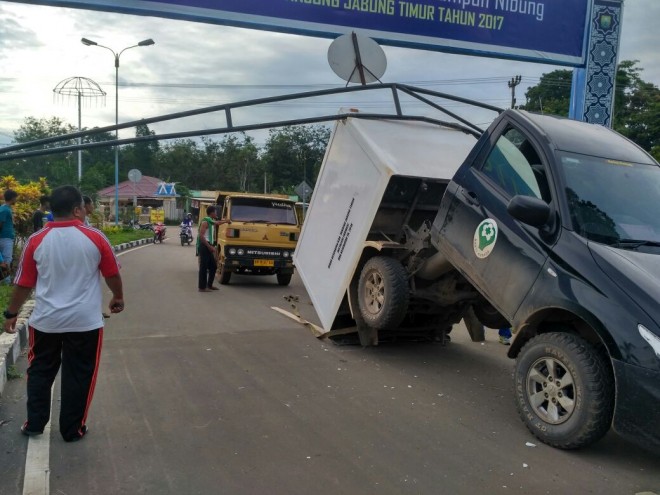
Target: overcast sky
194	65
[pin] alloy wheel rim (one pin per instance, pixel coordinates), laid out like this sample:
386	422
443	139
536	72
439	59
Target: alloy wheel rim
374	292
551	390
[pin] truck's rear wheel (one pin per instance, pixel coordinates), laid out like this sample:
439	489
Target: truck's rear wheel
284	278
383	294
564	390
225	274
488	316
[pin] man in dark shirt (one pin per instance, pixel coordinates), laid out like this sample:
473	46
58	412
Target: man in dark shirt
39	216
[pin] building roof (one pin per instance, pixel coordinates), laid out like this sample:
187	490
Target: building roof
147	187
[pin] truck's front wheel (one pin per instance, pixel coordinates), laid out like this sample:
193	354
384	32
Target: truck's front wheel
284	278
564	390
383	294
225	274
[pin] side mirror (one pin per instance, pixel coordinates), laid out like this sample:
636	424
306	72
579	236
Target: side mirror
529	210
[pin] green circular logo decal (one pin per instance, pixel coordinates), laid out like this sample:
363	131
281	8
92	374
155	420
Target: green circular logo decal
484	238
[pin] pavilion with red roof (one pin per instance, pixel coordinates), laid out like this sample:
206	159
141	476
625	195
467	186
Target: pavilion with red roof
148	192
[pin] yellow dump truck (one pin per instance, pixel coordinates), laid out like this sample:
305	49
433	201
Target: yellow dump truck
259	237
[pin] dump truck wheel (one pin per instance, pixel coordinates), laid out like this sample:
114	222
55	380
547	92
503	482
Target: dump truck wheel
564	390
225	275
383	293
284	278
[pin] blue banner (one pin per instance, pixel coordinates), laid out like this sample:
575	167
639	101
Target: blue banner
549	31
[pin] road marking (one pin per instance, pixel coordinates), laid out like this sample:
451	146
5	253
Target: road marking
36	480
132	249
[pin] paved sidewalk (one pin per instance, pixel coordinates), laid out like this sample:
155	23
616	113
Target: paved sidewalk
11	344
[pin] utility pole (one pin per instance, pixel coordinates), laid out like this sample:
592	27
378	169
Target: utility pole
512	84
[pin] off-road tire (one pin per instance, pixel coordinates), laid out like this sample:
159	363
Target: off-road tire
592	390
183	241
383	293
284	278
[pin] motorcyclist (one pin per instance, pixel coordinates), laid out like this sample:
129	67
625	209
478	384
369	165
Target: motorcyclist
186	229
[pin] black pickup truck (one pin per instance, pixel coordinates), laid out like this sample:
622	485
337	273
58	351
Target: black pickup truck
556	223
548	225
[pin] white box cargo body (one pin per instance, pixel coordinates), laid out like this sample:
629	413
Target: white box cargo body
361	158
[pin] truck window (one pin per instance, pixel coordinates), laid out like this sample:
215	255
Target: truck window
611	200
262	211
515	166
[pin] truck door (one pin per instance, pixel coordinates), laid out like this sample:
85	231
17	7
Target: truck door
499	255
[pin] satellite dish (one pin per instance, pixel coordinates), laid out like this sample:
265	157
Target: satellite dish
134	175
356	58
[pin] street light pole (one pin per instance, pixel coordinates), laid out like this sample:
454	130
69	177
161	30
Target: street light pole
116	56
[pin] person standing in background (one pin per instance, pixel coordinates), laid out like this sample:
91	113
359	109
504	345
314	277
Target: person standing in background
7	233
207	250
505	335
40	216
89	209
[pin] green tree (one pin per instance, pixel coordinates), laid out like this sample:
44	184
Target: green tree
62	168
211	173
55	166
141	155
179	161
656	152
293	154
637	107
239	163
636	103
551	95
32	129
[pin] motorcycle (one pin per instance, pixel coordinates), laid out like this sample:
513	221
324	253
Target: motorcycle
135	225
159	232
186	234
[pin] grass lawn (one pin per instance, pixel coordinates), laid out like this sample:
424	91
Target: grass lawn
121	236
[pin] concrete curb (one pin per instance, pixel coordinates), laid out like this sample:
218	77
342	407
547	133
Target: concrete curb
11	344
132	244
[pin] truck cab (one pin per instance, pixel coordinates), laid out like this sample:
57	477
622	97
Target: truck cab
259	236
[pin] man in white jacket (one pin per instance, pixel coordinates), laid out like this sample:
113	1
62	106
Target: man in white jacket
64	263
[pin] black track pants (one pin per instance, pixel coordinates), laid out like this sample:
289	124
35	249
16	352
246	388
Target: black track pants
78	354
207	267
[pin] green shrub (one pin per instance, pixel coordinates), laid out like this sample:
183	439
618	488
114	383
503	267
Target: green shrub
5	296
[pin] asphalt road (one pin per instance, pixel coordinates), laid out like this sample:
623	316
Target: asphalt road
216	393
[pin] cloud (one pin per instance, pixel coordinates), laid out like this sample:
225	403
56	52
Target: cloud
640	37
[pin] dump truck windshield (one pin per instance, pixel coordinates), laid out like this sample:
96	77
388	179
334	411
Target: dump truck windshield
262	211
